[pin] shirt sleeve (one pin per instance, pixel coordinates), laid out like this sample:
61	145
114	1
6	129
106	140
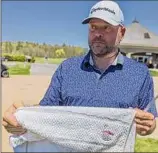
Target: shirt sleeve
52	96
146	96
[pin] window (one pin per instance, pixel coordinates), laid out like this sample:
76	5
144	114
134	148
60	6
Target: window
146	35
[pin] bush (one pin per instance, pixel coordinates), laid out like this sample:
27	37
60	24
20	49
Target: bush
19	58
9	57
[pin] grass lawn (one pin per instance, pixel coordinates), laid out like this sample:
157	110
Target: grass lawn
154	73
50	60
146	145
20	69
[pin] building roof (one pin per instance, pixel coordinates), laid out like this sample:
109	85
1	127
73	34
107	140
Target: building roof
139	36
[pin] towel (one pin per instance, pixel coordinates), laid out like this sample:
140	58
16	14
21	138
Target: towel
75	129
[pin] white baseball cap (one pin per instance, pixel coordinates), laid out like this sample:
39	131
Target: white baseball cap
108	11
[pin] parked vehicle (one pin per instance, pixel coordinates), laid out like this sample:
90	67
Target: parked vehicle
4	71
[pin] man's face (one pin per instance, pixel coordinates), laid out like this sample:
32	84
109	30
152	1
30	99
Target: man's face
102	37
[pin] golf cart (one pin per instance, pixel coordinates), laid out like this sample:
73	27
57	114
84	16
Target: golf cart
4	71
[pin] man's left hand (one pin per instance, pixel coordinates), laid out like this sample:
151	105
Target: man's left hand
145	122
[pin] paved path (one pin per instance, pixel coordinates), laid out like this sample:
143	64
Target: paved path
43	69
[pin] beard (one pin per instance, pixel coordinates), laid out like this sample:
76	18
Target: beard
101	50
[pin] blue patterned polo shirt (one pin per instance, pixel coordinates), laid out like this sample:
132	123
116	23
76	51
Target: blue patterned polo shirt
126	83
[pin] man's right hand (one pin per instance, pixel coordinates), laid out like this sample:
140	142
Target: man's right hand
9	121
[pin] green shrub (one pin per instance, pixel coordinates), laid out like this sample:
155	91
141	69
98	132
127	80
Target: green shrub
20	58
16	57
10	57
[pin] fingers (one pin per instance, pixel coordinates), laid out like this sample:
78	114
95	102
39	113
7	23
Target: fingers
142	128
145	127
148	123
9	114
4	123
10	118
142	133
144	115
18	104
12	129
17	130
145	122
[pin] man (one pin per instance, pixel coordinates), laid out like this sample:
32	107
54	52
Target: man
103	77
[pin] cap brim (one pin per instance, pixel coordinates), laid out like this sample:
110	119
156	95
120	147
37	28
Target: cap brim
85	21
112	22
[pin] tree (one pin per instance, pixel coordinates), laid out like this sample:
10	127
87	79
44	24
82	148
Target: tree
63	45
10	47
25	51
19	46
45	49
42	50
60	53
78	51
6	47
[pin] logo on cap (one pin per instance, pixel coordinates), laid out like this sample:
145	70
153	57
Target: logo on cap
102	8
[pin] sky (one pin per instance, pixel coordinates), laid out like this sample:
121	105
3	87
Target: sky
58	22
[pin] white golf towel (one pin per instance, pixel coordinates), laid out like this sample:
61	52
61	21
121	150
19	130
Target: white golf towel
75	129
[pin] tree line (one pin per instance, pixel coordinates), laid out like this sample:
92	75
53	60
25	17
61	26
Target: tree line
42	50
